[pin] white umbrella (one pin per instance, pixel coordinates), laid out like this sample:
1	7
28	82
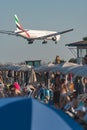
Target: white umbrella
25	68
10	67
81	71
71	69
44	68
63	67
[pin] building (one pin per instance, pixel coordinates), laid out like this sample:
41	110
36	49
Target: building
79	46
34	63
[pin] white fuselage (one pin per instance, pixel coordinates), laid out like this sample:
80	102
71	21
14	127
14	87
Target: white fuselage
37	34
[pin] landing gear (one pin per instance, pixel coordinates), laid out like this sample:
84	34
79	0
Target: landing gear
55	42
44	42
30	41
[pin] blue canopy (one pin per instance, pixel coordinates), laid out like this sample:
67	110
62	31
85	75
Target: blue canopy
29	114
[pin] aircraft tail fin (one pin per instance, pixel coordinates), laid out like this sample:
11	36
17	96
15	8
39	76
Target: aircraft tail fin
18	25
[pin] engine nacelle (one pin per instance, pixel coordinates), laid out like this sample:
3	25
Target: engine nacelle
56	38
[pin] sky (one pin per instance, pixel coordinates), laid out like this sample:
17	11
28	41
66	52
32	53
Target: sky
52	15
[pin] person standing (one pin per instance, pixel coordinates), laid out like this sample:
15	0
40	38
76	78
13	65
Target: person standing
1	87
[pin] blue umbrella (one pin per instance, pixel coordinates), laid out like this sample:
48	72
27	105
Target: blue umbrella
29	114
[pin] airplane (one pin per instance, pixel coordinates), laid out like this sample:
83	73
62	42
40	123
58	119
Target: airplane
32	35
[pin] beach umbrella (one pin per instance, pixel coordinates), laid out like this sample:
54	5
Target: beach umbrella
44	68
21	113
25	68
79	70
63	67
10	67
82	71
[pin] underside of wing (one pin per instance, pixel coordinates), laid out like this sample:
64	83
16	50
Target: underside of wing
7	32
54	34
13	33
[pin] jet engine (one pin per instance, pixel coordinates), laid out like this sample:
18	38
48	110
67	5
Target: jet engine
56	38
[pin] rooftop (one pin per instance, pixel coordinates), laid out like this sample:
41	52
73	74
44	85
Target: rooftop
82	44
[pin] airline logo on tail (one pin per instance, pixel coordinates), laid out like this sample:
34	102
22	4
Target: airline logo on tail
17	23
19	27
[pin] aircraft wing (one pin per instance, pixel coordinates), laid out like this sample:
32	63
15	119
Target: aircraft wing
55	34
13	33
7	32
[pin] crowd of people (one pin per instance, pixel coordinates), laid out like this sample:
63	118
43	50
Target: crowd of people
69	96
